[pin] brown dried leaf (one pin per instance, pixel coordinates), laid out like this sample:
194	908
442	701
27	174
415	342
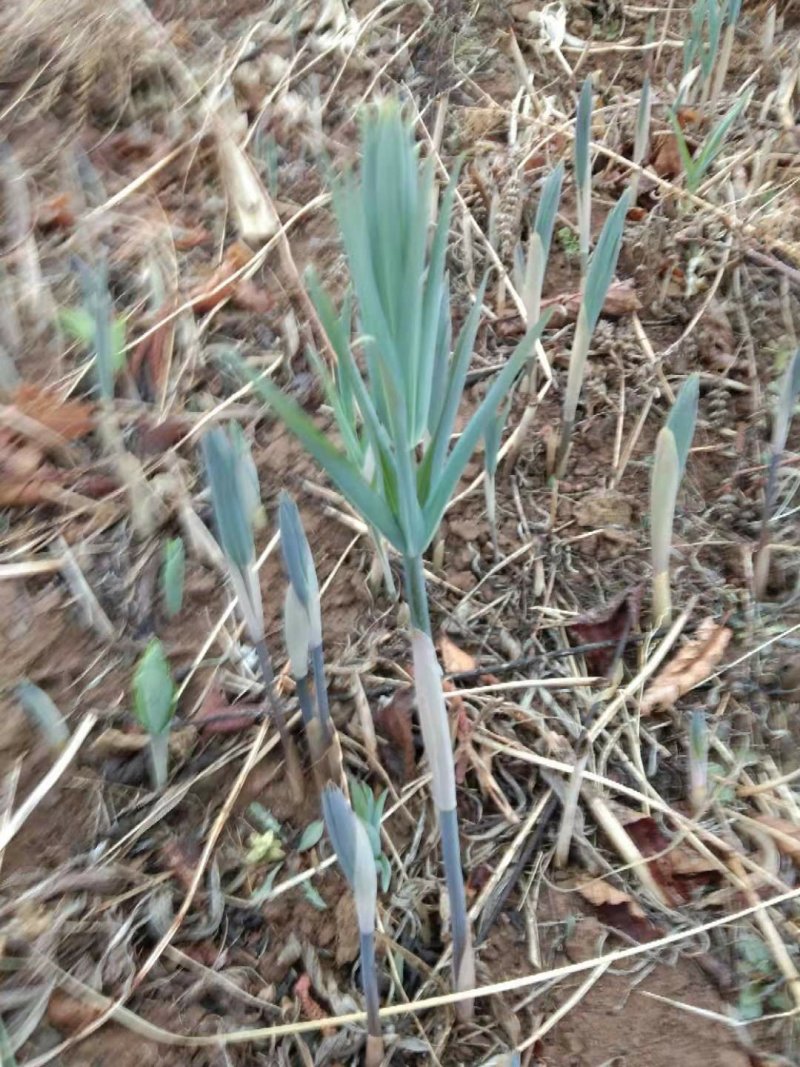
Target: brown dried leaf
220	285
454	659
612	623
691	666
621	299
665	157
598	892
68	1015
70	419
57	213
618	909
393	723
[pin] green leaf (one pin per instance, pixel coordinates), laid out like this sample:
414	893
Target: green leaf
44	713
313	897
385	871
603	261
446	481
547	209
264	891
682	419
311	835
583	135
229	498
153	690
347	478
173	572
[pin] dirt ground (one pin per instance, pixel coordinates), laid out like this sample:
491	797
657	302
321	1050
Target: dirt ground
115	122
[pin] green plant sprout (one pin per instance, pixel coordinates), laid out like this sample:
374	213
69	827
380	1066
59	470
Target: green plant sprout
173	574
583	171
404	408
154	707
232	503
599	275
788	393
354	852
38	705
303	616
672	451
369	809
695	166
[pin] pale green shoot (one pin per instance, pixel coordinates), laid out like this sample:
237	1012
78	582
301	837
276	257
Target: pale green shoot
698	761
672	451
44	713
154	706
583	170
642	134
173	573
695	166
354	852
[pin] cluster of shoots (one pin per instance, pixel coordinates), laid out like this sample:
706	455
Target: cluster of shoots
236	504
788	392
672	451
396	410
707	49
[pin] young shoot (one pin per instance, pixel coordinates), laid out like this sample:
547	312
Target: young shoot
44	713
154	706
232	503
303	615
672	451
598	278
403	408
583	170
354	852
784	410
696	165
173	574
369	809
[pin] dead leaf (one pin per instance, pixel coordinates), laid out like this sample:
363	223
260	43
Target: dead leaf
618	909
621	299
221	285
665	157
57	213
678	869
70	419
454	659
598	892
691	666
393	724
68	1015
612	623
604	507
181	856
149	362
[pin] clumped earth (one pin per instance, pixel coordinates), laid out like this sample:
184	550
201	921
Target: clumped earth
118	121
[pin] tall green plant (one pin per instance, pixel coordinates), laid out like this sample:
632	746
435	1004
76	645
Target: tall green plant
672	451
403	406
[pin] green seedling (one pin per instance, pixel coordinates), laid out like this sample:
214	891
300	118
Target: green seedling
354	852
698	761
232	502
600	274
369	809
672	451
97	328
44	713
403	409
529	268
154	705
784	410
695	166
583	171
303	615
173	573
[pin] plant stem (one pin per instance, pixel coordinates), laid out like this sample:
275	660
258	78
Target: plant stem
293	768
159	759
321	689
662	599
463	964
304	699
369	981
